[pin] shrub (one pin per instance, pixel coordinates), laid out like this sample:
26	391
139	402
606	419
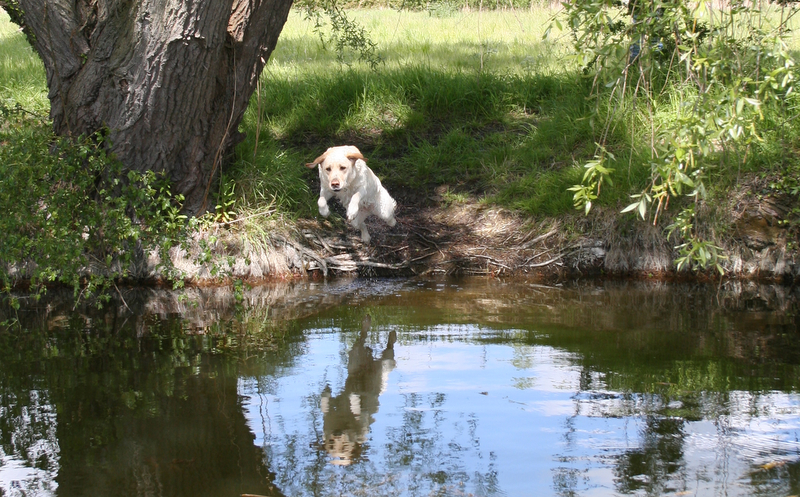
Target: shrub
697	81
71	214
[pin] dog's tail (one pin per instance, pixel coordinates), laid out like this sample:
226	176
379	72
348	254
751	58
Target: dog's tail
387	206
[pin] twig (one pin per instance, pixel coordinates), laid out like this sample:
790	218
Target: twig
421	257
559	256
345	264
540	238
492	260
424	238
342	247
218	155
122	298
546	263
324	244
398	249
77	300
537	256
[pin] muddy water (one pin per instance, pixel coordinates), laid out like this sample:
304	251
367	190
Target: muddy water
467	387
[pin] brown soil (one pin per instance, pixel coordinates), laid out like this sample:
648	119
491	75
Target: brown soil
464	238
468	237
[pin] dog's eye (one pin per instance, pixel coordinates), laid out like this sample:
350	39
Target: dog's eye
328	168
342	168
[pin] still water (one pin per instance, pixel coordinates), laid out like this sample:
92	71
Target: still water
406	388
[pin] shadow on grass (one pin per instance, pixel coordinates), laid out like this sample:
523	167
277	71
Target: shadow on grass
504	138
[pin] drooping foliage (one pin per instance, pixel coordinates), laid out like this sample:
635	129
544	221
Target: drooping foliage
721	74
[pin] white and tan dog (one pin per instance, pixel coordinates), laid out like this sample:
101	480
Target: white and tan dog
347	417
343	173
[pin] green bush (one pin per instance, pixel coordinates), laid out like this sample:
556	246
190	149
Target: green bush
71	215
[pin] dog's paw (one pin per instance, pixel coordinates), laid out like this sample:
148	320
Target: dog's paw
391	222
323	207
351	214
365	236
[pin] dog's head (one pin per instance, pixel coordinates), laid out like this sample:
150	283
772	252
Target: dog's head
337	166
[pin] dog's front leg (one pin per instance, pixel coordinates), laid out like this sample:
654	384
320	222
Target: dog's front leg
322	202
352	207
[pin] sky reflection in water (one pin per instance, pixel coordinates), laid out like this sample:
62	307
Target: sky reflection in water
457	414
466	388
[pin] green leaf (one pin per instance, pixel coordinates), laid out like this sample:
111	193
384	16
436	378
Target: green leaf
630	207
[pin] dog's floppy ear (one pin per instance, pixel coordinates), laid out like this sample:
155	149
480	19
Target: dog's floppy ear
354	156
318	160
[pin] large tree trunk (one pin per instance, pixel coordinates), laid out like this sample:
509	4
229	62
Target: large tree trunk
169	79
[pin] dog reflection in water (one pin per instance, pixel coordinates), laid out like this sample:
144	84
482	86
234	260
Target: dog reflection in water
347	416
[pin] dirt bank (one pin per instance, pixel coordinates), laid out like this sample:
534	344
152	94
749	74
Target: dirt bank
468	237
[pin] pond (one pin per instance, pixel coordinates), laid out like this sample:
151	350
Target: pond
406	388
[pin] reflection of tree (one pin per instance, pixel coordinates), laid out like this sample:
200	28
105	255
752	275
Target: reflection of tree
28	435
659	457
158	414
778	479
27	414
434	453
191	440
656	463
156	410
348	415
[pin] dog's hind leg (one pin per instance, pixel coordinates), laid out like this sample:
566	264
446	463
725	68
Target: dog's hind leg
358	223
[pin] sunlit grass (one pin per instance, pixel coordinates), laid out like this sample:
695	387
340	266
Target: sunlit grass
475	100
22	78
494	41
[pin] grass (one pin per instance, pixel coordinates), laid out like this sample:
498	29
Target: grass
22	78
475	100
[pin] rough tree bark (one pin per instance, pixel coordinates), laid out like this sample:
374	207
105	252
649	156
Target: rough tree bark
169	79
